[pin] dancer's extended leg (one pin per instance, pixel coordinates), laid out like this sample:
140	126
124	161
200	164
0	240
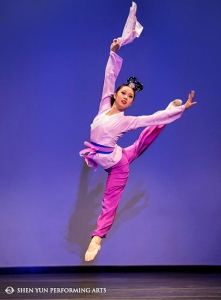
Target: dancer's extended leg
147	136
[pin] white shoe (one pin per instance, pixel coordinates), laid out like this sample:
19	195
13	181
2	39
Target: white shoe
90	255
176	102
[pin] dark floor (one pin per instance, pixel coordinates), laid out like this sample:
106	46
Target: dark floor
112	286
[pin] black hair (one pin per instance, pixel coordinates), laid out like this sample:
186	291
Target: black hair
112	99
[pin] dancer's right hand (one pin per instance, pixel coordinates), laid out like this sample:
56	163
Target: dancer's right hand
115	45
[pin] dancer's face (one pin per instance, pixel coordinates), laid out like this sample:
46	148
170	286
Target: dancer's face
124	97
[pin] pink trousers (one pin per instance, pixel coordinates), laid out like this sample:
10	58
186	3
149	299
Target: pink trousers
117	178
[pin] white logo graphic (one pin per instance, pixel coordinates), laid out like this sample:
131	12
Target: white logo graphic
9	290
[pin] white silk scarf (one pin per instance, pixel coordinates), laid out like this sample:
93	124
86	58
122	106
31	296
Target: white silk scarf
132	28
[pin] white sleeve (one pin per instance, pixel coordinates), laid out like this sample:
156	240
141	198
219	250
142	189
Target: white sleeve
161	117
112	70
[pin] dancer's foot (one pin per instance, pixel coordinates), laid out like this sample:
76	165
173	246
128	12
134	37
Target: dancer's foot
176	102
93	248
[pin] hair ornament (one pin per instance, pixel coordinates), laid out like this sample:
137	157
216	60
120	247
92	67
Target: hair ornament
136	85
132	85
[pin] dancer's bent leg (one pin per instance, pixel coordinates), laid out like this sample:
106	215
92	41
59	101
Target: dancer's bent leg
147	136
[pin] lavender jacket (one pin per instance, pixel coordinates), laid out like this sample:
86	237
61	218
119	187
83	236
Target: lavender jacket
106	130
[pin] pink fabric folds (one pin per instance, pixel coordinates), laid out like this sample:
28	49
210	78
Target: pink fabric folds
117	178
91	150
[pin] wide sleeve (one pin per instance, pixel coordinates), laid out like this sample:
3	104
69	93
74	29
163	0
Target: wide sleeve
112	70
161	117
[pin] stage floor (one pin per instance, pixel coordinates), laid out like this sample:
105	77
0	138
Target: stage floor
111	286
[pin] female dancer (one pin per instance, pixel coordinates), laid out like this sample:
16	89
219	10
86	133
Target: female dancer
107	127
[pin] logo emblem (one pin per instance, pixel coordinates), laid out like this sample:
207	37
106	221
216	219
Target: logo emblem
9	290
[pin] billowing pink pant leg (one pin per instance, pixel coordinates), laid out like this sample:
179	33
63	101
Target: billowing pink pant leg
117	178
147	136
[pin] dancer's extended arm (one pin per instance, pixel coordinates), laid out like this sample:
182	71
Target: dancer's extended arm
112	70
159	118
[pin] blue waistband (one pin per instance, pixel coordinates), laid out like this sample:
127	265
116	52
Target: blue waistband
101	146
102	152
98	145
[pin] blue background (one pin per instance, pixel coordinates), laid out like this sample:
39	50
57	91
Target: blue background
52	59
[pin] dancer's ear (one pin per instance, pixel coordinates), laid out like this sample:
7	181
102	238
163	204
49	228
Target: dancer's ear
115	96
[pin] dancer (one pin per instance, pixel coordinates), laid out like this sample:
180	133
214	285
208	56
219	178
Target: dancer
108	126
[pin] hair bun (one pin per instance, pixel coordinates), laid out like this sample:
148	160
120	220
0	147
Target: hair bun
136	85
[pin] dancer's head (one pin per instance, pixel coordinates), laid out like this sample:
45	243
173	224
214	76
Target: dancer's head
123	97
125	93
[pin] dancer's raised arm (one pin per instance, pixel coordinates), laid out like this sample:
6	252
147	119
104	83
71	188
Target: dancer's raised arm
111	72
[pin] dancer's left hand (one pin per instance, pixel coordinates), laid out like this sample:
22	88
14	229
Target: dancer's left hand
115	45
189	103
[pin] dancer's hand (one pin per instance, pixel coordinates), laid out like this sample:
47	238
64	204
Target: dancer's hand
115	45
189	101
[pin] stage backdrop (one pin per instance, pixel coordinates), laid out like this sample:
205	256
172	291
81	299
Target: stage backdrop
52	59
